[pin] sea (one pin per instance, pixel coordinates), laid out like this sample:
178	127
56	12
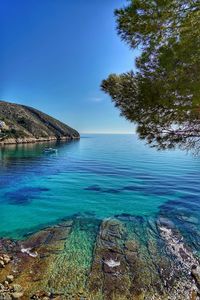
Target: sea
100	176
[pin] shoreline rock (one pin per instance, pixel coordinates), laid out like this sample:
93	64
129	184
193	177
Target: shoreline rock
30	140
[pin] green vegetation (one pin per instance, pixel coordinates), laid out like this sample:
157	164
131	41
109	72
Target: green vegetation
12	133
163	96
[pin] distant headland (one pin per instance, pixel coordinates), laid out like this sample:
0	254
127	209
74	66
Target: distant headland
22	124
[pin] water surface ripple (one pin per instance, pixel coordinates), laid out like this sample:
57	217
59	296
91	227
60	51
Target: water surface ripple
100	175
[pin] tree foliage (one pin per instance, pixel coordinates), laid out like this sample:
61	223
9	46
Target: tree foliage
163	96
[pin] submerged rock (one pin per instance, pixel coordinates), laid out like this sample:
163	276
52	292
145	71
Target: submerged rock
2	264
29	252
16	295
17	288
112	263
176	245
10	278
117	259
186	262
196	274
8	291
5	297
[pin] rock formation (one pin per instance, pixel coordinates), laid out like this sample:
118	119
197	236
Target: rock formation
23	124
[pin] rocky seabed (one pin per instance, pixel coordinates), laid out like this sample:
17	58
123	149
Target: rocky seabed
119	258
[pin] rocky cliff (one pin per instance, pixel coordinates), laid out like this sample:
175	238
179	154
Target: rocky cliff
23	124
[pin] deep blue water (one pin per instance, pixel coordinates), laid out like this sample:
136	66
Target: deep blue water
100	176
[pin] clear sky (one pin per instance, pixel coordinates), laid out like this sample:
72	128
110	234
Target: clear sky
54	54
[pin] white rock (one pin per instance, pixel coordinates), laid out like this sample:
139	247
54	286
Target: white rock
112	263
28	251
10	278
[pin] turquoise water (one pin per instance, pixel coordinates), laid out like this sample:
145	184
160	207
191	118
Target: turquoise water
100	176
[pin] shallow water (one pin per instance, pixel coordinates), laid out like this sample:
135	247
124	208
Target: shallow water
99	176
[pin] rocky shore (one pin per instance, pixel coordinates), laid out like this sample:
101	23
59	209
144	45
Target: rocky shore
10	141
120	258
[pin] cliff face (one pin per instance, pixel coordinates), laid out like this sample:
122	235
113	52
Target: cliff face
23	124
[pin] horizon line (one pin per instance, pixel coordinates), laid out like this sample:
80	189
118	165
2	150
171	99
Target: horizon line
108	132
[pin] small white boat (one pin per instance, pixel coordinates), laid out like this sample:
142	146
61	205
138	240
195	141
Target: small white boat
50	150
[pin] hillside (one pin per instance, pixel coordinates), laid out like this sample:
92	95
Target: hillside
23	124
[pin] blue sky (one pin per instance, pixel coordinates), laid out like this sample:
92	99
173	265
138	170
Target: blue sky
54	54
